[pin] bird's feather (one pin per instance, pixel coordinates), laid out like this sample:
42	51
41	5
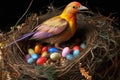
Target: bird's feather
51	27
21	38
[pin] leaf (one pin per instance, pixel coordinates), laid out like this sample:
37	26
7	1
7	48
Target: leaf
47	71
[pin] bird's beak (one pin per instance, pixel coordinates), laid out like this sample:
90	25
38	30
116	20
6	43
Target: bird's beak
81	8
84	10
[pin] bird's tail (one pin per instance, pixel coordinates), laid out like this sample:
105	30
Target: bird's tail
21	38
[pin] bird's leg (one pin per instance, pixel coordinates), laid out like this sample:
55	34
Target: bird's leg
57	46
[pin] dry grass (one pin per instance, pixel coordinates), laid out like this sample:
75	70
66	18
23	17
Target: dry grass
100	57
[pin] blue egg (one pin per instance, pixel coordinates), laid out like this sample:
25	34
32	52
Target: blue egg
76	53
83	45
52	50
35	56
69	56
30	61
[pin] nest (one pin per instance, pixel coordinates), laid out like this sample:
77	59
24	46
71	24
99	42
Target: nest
99	60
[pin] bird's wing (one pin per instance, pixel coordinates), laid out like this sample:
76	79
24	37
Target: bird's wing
51	27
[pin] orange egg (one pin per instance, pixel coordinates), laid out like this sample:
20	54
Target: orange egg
37	48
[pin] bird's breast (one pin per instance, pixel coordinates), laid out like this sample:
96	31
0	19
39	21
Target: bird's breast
73	26
72	22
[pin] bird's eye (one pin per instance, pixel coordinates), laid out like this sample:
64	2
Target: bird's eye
74	6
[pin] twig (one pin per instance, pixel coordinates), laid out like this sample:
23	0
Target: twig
24	14
92	55
2	64
85	73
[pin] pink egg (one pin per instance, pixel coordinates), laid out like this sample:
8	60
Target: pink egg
65	51
76	48
41	61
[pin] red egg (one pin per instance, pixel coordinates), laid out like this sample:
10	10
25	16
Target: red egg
41	61
76	48
45	48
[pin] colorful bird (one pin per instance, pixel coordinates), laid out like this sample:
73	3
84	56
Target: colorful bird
57	29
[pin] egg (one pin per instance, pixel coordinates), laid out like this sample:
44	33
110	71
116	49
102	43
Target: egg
35	56
30	60
76	53
52	50
83	45
45	48
55	56
65	51
31	51
27	56
76	48
37	49
69	56
41	61
45	54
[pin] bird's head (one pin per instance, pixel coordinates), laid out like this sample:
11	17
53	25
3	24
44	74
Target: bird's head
73	8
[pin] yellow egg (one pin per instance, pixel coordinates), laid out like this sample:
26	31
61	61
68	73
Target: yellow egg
45	54
37	48
31	51
55	56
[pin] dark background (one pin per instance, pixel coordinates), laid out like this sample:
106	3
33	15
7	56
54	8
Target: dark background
12	10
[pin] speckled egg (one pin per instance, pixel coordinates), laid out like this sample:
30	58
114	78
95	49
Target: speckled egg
69	56
35	56
76	53
52	50
55	56
65	51
83	45
37	49
31	51
45	54
41	61
30	60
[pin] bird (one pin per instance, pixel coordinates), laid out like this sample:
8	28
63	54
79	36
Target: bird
57	29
